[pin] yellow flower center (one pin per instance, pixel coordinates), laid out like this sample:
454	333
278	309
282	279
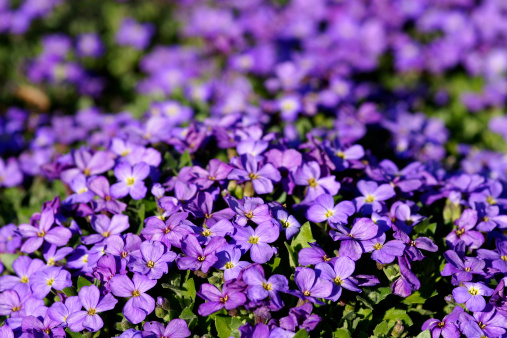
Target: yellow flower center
253	176
124	254
249	214
253	240
312	182
125	152
503	258
267	286
224	299
50	281
51	261
340	154
482	325
136	293
377	246
206	233
167	230
85	258
201	258
16	308
338	280
9	238
211	178
105	234
91	312
467	269
326	259
41	234
24	279
460	232
87	172
82	190
306	293
491	200
229	265
485	219
329	213
473	291
150	264
369	198
107	198
441	324
130	181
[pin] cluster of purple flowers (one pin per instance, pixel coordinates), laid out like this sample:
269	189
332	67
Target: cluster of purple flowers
253	186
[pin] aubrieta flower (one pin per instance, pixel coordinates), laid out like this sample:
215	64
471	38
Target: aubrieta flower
10	240
259	287
51	277
134	34
287	223
341	156
483	324
43	231
472	295
338	271
262	178
124	247
152	259
229	298
498	258
311	286
309	175
197	258
60	311
177	328
383	252
413	247
93	304
257	241
10	173
216	171
139	304
313	255
222	228
249	209
13	302
82	194
373	196
130	180
32	326
106	227
24	267
229	260
461	268
101	188
88	164
351	240
170	232
472	238
447	327
323	209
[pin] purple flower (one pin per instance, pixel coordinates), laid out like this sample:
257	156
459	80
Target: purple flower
262	178
222	228
43	232
100	187
447	327
229	298
140	304
106	227
216	171
252	209
10	174
413	246
310	286
285	161
383	252
257	241
60	311
351	239
313	255
153	260
323	209
134	34
259	288
197	258
473	239
88	164
34	327
338	272
170	232
287	223
407	282
81	194
498	259
12	302
341	157
130	180
461	268
229	261
472	294
203	208
309	175
43	281
24	267
10	240
373	196
25	306
490	218
405	220
93	304
177	328
123	247
89	45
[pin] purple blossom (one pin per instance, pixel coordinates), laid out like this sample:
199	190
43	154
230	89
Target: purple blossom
498	258
170	232
259	287
60	311
461	268
222	228
309	174
124	247
216	171
177	328
483	324
313	255
287	223
472	294
134	34
262	178
43	281
338	272
323	209
229	298
106	227
310	286
383	252
373	196
130	180
100	187
10	174
257	241
34	327
152	260
351	244
413	247
473	239
139	304
88	164
229	261
252	209
197	258
24	267
93	304
79	184
43	231
447	327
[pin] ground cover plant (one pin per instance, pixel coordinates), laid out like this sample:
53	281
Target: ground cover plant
253	168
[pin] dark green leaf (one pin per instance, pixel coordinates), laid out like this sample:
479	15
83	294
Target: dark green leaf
222	324
397	314
302	238
301	334
292	257
185	160
81	281
341	333
7	260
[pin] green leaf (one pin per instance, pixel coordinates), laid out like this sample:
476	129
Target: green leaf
7	260
81	281
141	213
397	314
222	324
341	333
381	329
185	160
302	238
292	258
236	322
417	298
275	264
70	291
424	334
73	334
301	334
379	295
